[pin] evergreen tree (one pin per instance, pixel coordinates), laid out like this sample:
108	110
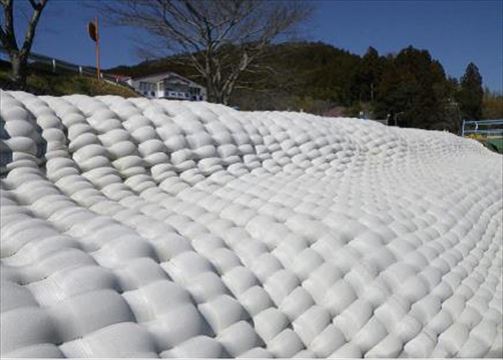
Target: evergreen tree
370	71
471	93
413	90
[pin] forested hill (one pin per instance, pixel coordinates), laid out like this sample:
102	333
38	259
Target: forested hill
304	70
409	86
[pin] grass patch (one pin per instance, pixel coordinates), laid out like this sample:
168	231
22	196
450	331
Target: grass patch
492	143
497	143
41	81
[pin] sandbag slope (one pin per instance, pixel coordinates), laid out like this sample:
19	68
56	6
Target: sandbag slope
155	228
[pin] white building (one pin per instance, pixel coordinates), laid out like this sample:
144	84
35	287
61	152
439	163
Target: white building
168	85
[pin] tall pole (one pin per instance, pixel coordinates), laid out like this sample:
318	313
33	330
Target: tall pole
98	72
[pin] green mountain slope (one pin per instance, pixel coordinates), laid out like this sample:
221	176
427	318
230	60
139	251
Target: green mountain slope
294	75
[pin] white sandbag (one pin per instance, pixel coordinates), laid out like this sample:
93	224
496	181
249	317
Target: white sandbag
127	162
78	129
21	144
114	136
88	152
144	133
122	149
270	323
151	146
19	128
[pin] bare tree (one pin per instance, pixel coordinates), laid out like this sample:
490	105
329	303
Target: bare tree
19	56
219	38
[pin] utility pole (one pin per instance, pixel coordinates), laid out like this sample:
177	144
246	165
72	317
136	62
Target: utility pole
396	117
92	28
98	71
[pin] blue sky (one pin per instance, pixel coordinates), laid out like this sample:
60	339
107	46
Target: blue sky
455	32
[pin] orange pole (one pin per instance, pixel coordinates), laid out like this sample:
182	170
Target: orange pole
98	72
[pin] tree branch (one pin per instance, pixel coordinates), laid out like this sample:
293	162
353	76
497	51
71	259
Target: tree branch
221	37
34	5
8	37
3	37
30	32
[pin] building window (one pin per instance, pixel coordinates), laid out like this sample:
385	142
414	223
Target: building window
195	91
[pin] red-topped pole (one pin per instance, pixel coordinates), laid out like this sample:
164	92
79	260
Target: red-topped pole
92	28
97	49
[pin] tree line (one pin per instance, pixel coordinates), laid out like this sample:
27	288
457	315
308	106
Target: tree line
410	88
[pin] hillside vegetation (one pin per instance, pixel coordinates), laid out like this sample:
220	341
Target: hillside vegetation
492	105
42	81
309	76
